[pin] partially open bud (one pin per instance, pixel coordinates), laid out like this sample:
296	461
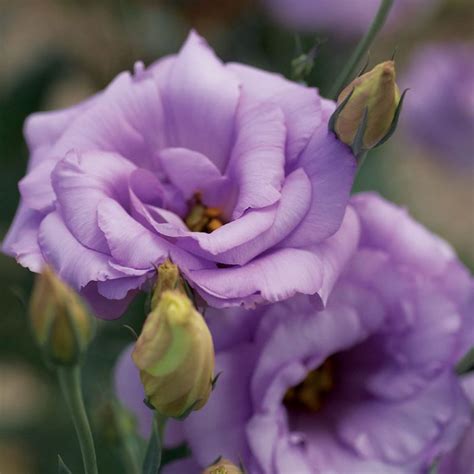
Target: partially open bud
60	322
175	355
374	98
223	466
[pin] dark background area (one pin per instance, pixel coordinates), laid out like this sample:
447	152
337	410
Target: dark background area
54	54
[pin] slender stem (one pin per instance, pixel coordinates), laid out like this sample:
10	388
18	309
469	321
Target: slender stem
130	449
70	382
362	48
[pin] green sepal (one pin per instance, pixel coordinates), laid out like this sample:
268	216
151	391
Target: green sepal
358	143
187	412
146	401
215	379
394	123
337	112
218	459
62	468
466	363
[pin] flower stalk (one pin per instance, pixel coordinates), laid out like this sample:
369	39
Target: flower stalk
71	387
362	48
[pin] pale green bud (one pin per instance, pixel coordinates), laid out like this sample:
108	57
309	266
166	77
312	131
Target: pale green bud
60	322
375	91
175	355
223	466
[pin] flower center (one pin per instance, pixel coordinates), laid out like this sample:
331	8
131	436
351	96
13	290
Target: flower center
310	394
201	218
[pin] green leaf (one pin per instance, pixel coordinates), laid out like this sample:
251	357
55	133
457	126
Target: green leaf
152	462
62	468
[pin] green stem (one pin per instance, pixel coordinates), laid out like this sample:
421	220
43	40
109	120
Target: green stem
70	382
362	48
130	448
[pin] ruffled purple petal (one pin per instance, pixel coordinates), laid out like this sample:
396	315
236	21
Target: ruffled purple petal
301	105
258	158
330	166
73	262
199	101
81	181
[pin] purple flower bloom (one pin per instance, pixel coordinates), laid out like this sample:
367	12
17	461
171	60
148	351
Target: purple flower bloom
228	170
365	385
461	458
347	17
439	112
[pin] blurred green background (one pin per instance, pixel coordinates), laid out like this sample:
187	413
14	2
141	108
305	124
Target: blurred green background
55	53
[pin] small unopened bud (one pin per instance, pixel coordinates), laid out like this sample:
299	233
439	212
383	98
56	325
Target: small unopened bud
60	322
175	355
374	94
223	466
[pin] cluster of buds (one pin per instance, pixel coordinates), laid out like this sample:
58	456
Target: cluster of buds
368	109
174	352
61	324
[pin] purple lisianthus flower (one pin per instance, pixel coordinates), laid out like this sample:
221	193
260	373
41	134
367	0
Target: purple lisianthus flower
440	113
347	17
228	170
461	458
366	385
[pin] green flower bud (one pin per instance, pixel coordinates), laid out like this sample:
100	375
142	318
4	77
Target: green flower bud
60	322
175	355
223	466
376	92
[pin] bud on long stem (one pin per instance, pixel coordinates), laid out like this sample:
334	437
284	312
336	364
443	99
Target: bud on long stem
63	329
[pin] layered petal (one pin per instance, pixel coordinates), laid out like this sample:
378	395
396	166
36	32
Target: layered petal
81	181
301	105
74	263
127	119
258	157
282	273
21	240
199	99
330	166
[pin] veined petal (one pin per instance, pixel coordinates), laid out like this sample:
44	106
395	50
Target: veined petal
188	170
257	162
199	100
74	263
81	181
300	105
331	167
